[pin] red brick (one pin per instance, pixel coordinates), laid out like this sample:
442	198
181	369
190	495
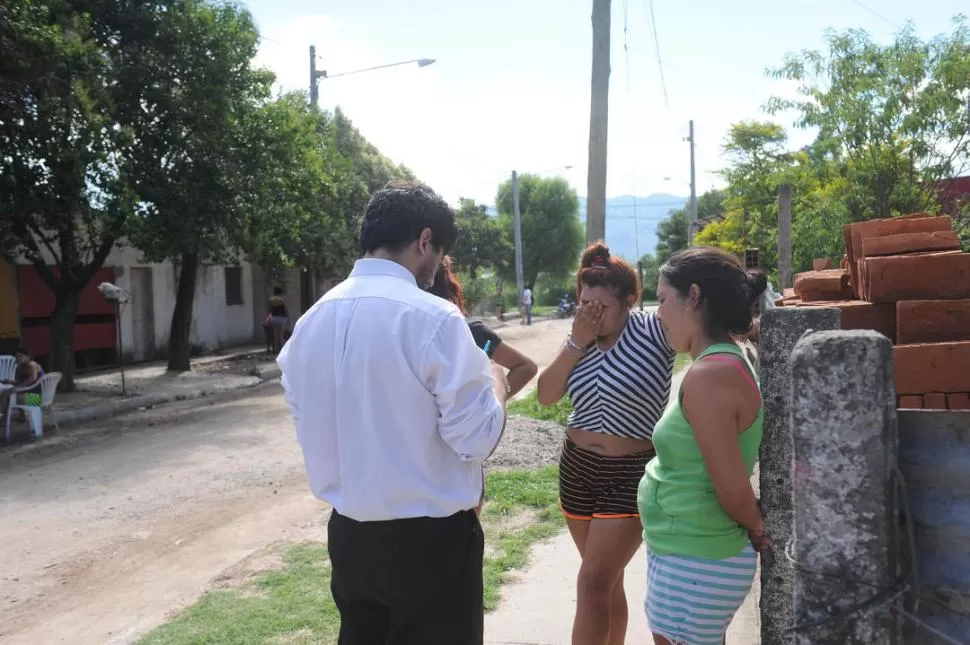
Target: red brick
937	367
934	401
933	276
959	401
910	402
932	321
857	314
909	243
830	280
852	236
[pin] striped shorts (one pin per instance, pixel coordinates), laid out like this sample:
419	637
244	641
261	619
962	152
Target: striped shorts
691	601
592	485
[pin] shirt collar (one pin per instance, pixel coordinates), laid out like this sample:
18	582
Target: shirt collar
379	266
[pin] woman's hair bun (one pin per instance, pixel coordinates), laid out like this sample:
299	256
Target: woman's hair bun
596	255
757	283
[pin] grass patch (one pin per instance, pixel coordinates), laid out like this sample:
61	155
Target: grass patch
529	406
293	604
289	605
511	493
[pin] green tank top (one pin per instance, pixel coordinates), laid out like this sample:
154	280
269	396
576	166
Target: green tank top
676	498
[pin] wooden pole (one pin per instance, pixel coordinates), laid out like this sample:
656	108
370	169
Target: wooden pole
598	123
784	236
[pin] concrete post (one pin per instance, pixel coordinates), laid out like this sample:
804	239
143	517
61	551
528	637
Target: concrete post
781	327
843	416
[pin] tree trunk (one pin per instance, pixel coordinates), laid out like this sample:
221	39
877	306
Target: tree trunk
179	346
61	355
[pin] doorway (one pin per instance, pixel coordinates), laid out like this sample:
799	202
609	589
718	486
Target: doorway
142	315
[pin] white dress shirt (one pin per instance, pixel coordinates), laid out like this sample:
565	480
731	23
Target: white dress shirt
393	403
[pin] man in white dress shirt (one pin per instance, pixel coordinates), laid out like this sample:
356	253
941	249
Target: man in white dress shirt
395	410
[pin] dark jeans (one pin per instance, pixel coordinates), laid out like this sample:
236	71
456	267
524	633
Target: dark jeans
408	582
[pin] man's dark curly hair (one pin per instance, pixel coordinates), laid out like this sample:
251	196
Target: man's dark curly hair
397	213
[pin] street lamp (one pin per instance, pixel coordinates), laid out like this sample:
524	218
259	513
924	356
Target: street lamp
316	75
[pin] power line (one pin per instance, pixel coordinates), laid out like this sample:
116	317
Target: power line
876	14
656	43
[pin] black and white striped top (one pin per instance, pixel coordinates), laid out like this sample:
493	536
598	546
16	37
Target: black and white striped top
623	390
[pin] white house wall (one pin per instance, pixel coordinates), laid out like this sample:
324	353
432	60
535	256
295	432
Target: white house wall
214	324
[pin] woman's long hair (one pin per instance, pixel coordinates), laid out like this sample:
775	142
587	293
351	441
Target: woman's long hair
446	285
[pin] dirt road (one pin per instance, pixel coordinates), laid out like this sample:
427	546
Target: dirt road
127	520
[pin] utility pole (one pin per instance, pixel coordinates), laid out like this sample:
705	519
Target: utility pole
314	88
784	236
599	110
692	207
519	278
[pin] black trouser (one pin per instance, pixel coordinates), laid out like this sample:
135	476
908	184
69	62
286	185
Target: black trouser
408	582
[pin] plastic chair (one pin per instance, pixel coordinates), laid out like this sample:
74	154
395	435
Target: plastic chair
8	368
48	388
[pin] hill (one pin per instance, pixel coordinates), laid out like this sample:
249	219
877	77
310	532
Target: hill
622	229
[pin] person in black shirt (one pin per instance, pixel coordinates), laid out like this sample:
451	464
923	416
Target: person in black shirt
521	368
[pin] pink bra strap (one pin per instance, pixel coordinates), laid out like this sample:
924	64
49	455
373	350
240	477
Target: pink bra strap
736	362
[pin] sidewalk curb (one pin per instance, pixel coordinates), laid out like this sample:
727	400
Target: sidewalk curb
121	406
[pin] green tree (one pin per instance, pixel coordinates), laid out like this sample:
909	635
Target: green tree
552	235
892	117
672	234
194	163
357	169
650	276
482	241
67	106
292	202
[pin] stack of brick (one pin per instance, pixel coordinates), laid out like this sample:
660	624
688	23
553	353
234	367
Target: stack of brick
906	278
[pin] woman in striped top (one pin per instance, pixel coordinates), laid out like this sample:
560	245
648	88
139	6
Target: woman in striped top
616	368
700	516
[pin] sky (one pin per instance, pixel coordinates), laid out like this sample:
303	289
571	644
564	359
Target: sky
510	88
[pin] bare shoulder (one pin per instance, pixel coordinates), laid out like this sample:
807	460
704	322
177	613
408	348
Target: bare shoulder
719	381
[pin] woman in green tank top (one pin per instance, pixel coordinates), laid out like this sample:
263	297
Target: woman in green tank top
700	516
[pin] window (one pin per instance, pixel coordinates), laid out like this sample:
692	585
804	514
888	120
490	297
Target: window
234	292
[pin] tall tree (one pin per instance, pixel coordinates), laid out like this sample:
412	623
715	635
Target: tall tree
482	241
66	128
293	200
194	165
672	234
552	235
650	275
894	117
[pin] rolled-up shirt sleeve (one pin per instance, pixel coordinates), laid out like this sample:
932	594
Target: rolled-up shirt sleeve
470	418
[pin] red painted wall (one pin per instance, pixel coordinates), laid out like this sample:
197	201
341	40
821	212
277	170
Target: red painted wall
37	303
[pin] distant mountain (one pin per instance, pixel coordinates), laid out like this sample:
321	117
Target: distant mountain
623	230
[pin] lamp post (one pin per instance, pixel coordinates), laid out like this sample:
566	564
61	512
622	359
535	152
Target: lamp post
317	74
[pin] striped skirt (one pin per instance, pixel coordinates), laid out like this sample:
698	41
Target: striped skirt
691	601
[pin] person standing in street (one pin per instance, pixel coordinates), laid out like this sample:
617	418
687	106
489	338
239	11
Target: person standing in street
527	305
395	410
701	520
616	368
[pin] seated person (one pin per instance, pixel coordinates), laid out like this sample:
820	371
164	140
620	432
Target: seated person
26	376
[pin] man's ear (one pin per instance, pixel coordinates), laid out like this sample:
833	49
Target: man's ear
424	241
